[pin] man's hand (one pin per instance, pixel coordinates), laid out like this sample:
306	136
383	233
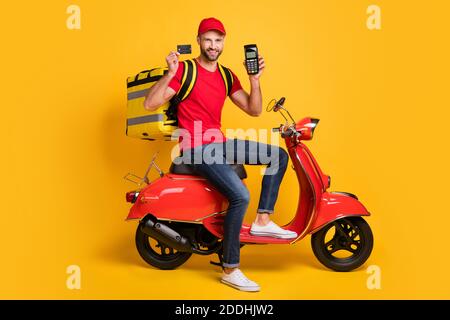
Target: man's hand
251	104
172	63
261	68
160	92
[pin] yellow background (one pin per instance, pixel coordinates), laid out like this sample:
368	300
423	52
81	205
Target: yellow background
382	97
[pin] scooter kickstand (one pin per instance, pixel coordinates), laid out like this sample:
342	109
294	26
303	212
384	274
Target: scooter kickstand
219	254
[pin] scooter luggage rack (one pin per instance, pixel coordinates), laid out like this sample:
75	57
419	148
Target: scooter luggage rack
140	181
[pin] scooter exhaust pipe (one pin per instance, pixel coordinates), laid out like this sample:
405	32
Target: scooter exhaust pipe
163	233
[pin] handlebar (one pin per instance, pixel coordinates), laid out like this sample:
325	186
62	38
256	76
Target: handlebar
285	130
279	104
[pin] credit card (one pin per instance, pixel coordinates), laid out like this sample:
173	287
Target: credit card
184	48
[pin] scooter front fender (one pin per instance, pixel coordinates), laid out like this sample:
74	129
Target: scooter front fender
337	205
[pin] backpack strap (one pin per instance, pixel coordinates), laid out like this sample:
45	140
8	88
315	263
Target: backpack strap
227	77
188	79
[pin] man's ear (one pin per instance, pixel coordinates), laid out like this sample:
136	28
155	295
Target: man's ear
198	40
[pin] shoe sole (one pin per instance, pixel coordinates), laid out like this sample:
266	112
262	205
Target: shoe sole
272	235
246	289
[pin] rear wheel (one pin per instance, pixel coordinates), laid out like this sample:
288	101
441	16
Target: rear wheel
158	254
344	244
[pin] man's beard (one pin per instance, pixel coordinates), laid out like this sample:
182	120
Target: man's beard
210	57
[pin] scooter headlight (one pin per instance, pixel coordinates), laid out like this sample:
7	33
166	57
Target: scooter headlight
314	122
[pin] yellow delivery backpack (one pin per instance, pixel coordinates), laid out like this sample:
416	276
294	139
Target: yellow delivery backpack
161	123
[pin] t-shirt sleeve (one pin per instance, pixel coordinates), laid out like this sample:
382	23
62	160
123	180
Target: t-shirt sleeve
236	84
175	83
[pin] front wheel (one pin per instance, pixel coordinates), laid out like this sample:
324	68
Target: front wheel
158	254
344	244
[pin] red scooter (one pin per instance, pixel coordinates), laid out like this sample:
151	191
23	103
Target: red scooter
181	213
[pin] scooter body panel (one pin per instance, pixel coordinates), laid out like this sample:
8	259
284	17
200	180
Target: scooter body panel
193	199
310	187
178	198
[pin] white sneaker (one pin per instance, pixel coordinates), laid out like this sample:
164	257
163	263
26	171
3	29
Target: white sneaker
238	280
272	230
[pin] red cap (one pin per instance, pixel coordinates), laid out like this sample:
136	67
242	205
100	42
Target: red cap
210	24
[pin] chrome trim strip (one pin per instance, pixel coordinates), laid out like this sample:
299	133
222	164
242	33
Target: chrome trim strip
196	221
348	194
185	178
166	219
211	215
175	220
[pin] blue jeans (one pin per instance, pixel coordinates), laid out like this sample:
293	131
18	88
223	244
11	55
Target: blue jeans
212	161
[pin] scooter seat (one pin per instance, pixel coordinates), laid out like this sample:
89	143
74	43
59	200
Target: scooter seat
184	168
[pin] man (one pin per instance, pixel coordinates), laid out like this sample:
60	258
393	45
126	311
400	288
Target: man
203	107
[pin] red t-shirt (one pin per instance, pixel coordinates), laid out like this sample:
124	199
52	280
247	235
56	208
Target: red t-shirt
204	103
